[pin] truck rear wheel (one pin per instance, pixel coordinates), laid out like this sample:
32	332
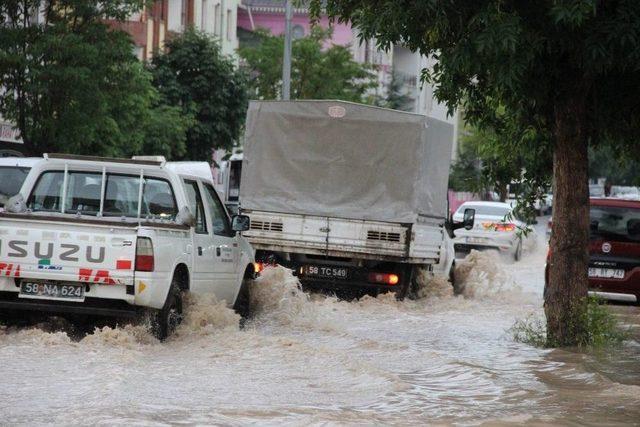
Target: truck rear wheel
408	274
165	321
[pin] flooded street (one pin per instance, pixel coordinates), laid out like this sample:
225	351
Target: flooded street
315	360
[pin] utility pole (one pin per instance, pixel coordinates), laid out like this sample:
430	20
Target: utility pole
286	62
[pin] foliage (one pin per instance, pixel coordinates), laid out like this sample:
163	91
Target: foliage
318	71
525	56
466	172
396	96
620	168
197	77
72	83
490	161
594	326
165	132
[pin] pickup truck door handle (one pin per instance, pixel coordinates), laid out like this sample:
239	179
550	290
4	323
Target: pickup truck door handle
218	250
199	250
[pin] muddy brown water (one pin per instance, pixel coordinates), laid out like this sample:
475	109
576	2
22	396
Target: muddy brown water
315	360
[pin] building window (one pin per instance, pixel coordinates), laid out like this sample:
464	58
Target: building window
205	16
297	32
183	15
216	21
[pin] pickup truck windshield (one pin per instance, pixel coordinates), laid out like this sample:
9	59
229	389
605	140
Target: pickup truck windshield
11	179
121	195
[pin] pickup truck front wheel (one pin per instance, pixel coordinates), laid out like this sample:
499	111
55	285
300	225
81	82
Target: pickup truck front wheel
165	321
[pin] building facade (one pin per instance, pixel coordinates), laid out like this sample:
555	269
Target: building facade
162	19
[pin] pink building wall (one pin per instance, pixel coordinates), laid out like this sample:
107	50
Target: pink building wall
274	22
457	198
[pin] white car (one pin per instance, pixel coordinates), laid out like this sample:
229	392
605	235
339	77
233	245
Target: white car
118	237
494	228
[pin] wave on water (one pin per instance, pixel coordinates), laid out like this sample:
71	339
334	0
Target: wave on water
481	275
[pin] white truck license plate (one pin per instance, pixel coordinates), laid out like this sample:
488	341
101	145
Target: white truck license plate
52	291
606	273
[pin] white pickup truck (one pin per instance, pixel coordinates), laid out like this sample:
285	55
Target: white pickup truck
116	237
351	197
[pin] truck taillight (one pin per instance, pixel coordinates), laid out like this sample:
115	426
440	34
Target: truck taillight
144	254
384	278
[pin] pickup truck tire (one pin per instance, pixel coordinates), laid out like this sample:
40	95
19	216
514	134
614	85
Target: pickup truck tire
166	320
242	305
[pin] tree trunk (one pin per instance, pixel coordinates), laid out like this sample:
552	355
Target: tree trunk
502	189
568	282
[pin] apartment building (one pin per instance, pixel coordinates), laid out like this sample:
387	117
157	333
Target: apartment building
161	19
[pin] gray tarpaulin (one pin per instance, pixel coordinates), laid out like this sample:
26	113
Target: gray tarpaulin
346	160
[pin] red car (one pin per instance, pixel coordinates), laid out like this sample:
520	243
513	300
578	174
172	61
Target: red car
614	265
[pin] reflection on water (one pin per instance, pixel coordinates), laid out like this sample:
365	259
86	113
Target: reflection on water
314	359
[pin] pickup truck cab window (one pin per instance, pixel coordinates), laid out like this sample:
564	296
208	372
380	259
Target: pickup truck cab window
82	195
120	196
196	206
11	179
219	219
47	194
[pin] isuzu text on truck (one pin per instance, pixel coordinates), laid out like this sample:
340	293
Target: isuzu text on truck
348	196
110	237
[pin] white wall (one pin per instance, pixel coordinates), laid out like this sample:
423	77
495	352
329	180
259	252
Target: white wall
174	16
410	66
219	18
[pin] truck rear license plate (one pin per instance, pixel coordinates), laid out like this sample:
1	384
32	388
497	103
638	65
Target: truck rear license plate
606	273
327	272
52	291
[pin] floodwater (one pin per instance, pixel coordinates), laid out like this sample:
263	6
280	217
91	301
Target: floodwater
315	360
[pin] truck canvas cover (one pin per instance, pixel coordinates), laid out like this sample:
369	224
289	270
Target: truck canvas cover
345	160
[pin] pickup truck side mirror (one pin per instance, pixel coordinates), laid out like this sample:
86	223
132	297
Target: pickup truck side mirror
185	217
240	223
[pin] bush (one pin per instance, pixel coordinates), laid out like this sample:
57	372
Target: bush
596	327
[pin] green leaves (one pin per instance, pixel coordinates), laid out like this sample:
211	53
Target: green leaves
317	72
195	76
72	83
572	13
